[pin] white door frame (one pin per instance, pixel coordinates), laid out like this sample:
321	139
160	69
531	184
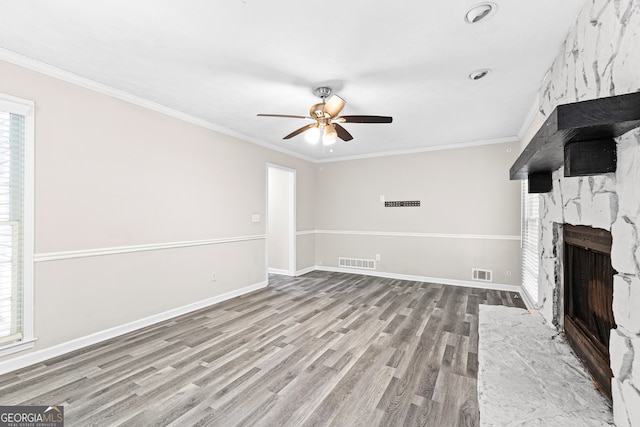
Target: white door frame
292	214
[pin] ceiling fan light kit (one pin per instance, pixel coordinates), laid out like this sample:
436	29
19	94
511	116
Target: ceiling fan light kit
312	136
326	115
330	135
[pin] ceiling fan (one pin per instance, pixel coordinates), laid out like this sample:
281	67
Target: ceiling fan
326	115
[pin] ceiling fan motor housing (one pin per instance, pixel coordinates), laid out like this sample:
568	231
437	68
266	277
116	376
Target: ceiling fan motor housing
316	111
323	92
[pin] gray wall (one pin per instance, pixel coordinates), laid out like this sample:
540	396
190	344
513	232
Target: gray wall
469	214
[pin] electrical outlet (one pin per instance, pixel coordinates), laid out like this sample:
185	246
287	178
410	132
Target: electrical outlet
214	277
377	257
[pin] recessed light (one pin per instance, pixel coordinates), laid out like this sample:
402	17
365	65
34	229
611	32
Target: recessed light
479	12
478	74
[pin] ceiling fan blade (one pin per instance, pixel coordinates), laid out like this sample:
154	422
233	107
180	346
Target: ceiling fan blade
333	106
284	115
299	131
342	133
364	119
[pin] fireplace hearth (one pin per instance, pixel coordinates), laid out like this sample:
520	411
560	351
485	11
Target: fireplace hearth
588	299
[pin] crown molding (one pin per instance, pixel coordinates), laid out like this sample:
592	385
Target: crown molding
69	77
480	142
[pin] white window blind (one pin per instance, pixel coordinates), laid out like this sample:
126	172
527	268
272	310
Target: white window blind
530	241
11	160
16	226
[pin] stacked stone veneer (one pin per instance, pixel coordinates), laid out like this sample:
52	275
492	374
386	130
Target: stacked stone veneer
600	57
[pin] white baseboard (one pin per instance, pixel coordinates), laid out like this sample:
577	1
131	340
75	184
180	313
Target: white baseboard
297	273
278	271
528	301
306	270
452	282
69	346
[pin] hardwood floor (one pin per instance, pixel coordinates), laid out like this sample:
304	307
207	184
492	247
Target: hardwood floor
317	350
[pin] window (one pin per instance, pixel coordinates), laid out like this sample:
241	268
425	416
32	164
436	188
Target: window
16	224
530	238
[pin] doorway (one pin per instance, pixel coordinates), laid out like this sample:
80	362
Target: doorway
281	220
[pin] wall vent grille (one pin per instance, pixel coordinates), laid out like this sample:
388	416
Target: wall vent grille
482	275
365	264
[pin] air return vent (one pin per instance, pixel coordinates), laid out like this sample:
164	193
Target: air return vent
365	264
482	275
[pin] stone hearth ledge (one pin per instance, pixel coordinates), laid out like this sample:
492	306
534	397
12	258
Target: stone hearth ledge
529	376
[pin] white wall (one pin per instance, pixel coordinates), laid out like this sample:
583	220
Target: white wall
112	178
469	214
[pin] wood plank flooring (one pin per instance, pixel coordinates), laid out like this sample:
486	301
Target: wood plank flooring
323	349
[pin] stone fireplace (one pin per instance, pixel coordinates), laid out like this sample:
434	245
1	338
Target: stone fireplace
599	58
609	202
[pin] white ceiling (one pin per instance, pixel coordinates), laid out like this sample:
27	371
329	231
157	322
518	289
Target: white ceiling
226	61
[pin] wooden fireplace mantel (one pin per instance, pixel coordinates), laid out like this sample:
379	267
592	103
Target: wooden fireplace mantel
578	136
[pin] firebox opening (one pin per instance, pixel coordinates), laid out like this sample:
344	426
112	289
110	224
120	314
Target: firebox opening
588	299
